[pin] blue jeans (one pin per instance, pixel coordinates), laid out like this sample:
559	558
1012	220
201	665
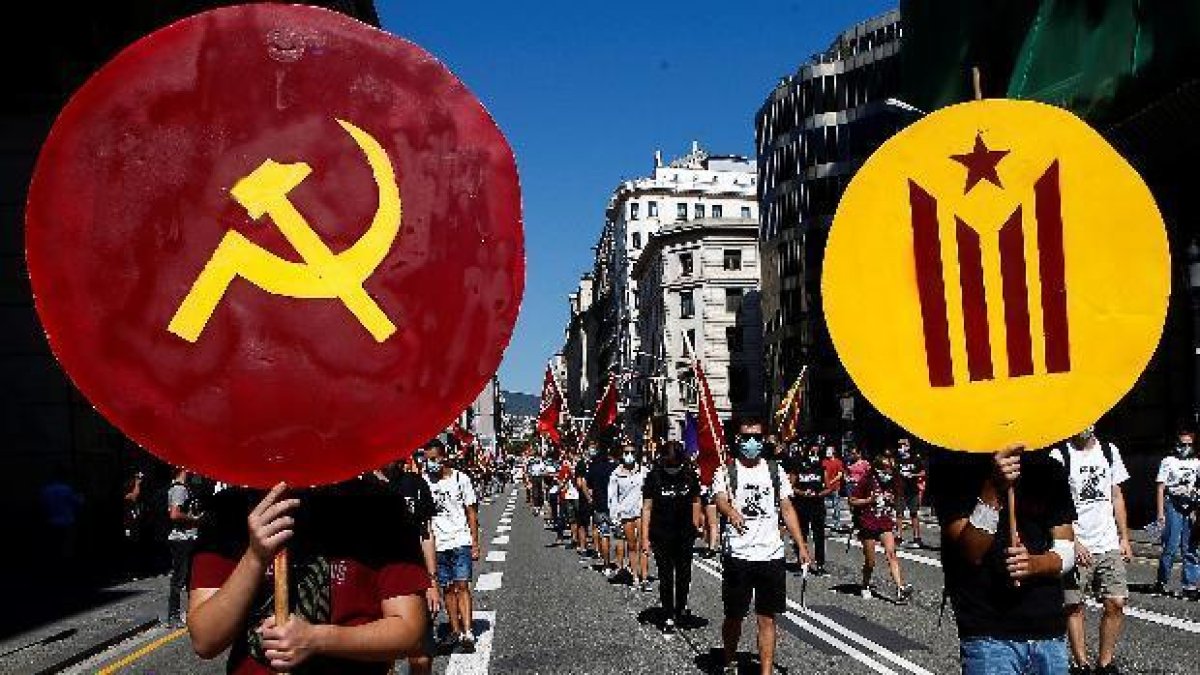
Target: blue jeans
1176	535
834	504
990	656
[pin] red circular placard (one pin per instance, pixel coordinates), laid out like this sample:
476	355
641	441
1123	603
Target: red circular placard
134	193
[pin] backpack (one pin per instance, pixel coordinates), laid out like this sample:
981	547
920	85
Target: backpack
1065	454
772	468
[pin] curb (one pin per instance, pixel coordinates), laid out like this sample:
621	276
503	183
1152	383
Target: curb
98	648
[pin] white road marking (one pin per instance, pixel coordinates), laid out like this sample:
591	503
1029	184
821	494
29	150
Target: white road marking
504	528
862	641
820	634
505	521
501	540
489	581
900	553
477	662
497	556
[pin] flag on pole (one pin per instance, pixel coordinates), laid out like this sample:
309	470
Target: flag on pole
711	435
691	435
551	408
464	437
606	410
787	418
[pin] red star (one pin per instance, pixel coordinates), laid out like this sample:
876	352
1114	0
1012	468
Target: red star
981	163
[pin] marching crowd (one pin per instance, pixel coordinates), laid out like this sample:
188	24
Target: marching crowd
1016	572
1017	581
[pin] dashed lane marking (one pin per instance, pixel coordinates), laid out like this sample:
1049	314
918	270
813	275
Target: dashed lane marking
489	581
501	540
476	663
503	528
497	556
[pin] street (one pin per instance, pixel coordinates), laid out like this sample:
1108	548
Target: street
538	610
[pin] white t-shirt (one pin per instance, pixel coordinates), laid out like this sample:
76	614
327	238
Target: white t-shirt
625	493
571	491
753	499
451	497
1178	475
1092	481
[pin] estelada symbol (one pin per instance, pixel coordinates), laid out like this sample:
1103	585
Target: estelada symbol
995	274
270	242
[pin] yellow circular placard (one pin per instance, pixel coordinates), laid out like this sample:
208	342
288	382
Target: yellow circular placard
996	274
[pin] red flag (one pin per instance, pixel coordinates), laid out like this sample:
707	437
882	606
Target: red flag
788	417
464	437
551	410
712	435
606	409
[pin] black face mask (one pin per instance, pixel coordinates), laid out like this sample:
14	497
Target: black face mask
673	469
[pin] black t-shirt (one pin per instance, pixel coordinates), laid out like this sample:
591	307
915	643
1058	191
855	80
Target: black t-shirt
581	471
986	603
671	503
809	473
418	499
909	464
597	480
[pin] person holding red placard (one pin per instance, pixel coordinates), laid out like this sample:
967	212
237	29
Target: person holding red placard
358	601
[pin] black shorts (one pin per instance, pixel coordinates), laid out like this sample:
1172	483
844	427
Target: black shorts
583	515
765	580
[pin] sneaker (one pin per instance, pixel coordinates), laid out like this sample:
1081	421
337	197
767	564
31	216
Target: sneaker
1110	669
466	643
609	572
669	627
817	571
448	642
867	593
904	593
1159	589
914	544
1191	594
730	669
1077	669
646	586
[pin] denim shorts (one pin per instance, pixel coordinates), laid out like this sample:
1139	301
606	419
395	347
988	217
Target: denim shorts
454	565
992	656
603	523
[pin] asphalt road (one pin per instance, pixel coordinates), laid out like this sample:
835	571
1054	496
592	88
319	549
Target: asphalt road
539	611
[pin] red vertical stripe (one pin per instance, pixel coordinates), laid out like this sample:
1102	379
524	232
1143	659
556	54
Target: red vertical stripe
1054	286
1016	297
974	301
931	290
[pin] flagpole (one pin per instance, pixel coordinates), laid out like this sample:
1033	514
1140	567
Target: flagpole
711	413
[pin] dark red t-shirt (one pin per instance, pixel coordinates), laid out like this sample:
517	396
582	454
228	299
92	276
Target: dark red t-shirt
335	577
880	515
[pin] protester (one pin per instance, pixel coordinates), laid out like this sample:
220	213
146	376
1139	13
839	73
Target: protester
1095	471
456	537
625	508
807	476
911	467
1007	595
133	526
835	482
597	494
752	494
583	519
570	502
671	519
183	517
61	505
1177	500
357	599
875	495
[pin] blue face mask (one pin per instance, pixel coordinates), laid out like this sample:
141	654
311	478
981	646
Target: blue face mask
751	448
629	459
433	466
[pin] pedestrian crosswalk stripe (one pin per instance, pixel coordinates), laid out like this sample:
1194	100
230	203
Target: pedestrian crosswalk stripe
477	662
490	581
501	540
862	641
497	556
503	528
505	521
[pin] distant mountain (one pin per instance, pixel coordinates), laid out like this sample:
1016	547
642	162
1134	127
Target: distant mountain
517	403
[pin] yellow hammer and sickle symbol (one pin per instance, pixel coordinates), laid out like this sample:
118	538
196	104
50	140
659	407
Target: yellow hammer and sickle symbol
323	274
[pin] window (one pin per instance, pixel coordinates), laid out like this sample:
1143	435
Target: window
633	210
716	211
685	264
699	211
733	300
687	306
691	339
681	211
733	339
739	383
687	388
651	209
637	239
733	258
745	211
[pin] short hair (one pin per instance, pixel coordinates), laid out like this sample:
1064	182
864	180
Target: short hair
751	422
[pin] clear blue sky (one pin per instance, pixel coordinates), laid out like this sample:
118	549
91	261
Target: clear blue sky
586	91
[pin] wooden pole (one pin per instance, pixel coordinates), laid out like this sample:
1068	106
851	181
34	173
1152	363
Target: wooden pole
281	587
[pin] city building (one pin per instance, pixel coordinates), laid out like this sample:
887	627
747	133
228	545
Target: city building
581	372
697	287
696	186
484	416
812	133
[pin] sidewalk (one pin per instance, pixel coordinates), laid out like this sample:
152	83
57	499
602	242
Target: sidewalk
102	618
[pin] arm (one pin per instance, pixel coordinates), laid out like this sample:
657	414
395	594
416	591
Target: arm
971	541
647	509
697	515
1022	564
386	639
1160	502
429	555
473	523
1122	522
793	527
216	615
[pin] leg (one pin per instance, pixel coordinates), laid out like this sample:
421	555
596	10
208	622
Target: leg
465	608
683	573
989	656
178	579
453	606
663	557
736	590
766	642
889	549
1171	538
868	547
731	634
818	536
633	550
1191	555
1110	629
1077	634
